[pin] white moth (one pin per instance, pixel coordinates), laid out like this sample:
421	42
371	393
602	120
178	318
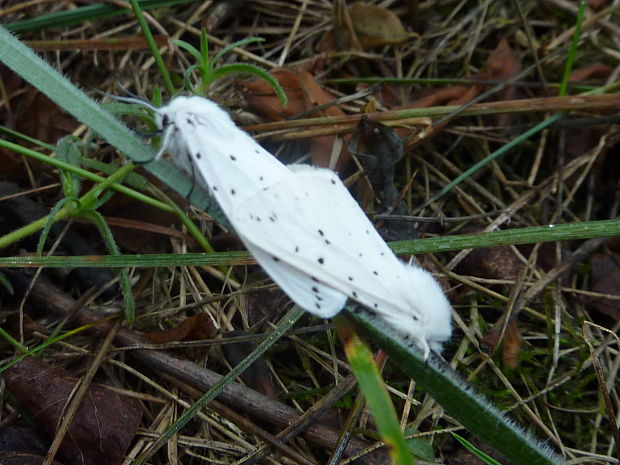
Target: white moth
302	226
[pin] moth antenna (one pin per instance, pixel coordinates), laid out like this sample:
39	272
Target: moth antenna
135	101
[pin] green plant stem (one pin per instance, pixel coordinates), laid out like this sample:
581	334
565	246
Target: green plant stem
86	174
370	382
85	202
572	51
14	342
125	283
83	14
153	46
558	232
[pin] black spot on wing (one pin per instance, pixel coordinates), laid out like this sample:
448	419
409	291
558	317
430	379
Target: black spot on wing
233	192
233	158
275	259
198	156
321	260
376	273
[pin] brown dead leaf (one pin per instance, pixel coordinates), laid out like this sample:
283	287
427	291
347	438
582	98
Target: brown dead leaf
440	97
304	93
20	458
593	71
491	263
197	327
103	427
262	99
513	342
23	440
362	26
606	280
376	26
501	64
597	4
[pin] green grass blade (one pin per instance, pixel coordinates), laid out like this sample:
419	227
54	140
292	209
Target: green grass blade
137	9
375	393
572	51
240	43
536	234
453	393
475	451
129	307
84	13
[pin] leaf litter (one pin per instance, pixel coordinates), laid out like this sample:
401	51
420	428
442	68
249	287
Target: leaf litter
564	174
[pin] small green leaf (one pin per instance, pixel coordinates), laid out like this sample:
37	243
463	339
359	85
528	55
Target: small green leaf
250	69
420	447
68	151
189	48
474	450
52	218
375	393
108	239
204	49
239	43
